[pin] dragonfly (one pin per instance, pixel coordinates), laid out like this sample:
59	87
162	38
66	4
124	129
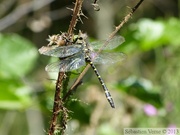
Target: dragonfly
74	56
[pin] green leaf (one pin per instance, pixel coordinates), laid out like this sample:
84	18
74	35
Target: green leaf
14	95
77	108
149	33
17	56
141	89
172	31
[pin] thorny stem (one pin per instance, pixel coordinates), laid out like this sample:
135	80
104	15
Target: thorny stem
76	16
58	103
126	18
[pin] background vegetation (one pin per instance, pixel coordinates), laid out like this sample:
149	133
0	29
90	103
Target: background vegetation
145	86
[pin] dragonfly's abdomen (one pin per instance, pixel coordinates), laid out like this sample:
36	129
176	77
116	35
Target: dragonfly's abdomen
106	91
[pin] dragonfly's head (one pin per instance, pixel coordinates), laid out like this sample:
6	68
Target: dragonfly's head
80	38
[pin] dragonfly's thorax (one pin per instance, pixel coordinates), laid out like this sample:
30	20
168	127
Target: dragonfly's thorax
86	50
82	40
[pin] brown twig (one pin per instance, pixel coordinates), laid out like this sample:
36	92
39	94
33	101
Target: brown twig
126	18
58	103
76	16
57	107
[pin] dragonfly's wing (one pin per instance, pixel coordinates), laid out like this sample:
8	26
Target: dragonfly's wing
60	51
68	64
108	58
113	43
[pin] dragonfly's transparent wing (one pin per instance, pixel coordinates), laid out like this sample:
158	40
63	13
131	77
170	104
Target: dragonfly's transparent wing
60	51
108	58
113	43
67	64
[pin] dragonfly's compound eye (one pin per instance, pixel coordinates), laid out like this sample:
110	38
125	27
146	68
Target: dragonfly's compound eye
79	40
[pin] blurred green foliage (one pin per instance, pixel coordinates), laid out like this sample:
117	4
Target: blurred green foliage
17	59
150	75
